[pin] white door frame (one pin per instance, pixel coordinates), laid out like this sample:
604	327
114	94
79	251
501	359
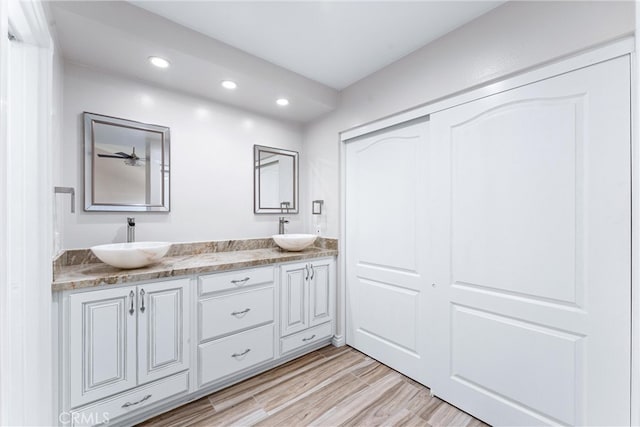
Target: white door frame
625	46
26	210
4	247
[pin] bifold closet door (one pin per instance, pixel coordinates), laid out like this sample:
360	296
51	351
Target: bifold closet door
386	246
532	267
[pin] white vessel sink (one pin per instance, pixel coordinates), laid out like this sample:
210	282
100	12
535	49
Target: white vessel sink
294	242
131	255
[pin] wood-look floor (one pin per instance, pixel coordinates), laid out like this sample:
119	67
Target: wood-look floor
329	387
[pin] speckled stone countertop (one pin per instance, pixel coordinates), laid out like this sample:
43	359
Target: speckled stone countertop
77	269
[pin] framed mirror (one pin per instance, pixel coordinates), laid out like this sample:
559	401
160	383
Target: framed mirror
126	165
275	176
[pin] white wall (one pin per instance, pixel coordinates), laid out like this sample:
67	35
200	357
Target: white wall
211	162
509	39
212	190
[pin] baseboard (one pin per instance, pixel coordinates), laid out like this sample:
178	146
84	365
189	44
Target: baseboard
338	341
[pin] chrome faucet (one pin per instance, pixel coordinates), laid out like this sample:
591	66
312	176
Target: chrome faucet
282	221
131	229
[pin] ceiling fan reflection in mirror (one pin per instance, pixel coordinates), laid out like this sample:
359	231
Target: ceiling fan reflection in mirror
129	159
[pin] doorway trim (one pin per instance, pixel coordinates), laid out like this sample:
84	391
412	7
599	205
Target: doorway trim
26	191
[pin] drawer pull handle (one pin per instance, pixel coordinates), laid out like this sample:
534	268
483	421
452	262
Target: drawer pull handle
240	282
142	307
131	296
126	405
313	273
241	313
310	338
236	355
306	268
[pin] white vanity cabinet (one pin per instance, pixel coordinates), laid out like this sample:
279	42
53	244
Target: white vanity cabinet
235	322
130	352
307	292
125	337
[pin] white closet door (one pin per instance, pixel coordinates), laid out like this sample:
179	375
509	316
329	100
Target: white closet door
386	245
532	230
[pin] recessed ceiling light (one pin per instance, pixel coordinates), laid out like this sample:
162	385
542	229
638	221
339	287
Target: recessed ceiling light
283	102
159	62
229	84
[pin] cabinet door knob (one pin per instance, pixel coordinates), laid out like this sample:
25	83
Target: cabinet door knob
142	308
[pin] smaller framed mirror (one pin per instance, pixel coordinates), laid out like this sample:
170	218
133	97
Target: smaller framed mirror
126	165
275	176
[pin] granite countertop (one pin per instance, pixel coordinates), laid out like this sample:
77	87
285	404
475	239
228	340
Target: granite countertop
79	269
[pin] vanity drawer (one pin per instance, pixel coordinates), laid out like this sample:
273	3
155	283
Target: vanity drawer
234	353
234	280
122	404
306	337
230	313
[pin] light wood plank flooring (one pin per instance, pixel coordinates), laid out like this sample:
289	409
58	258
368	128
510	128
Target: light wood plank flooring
329	387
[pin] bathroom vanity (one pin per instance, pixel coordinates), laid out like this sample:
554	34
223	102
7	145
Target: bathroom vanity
135	343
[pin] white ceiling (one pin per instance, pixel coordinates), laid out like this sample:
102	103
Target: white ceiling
334	43
306	50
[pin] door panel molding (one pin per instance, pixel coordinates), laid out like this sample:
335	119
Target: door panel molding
102	344
522	297
508	337
387	342
294	299
111	311
163	329
501	170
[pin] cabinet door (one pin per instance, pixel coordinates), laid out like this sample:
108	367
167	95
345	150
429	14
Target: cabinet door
162	329
321	285
102	343
293	298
